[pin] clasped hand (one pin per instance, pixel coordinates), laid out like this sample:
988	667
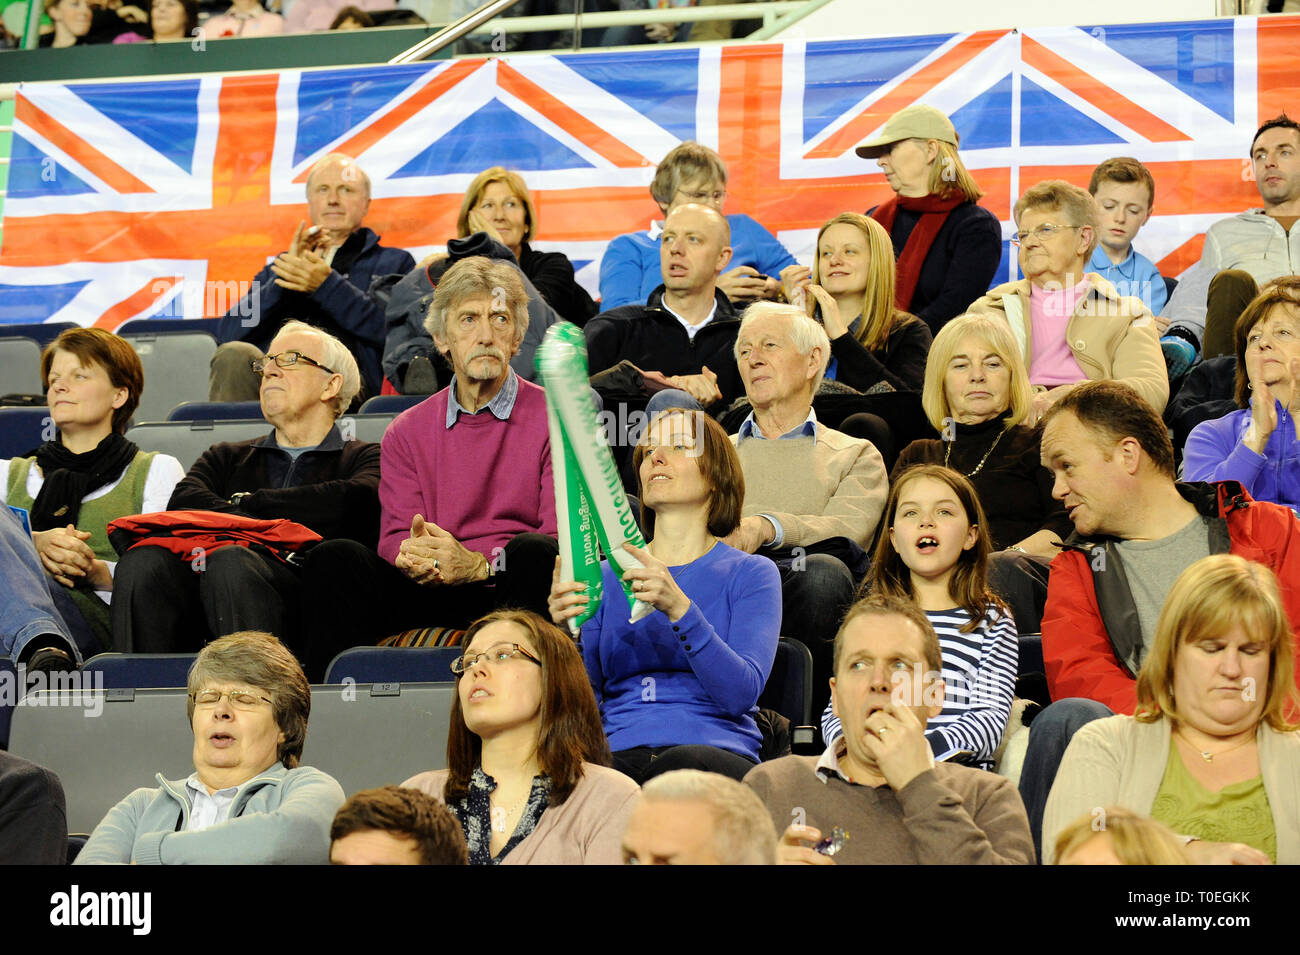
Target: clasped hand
431	556
67	557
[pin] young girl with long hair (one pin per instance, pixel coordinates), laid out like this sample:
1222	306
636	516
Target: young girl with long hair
933	548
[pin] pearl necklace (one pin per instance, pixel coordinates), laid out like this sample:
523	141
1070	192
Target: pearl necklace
948	452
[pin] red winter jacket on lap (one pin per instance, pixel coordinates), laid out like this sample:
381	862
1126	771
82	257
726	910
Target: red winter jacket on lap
1092	641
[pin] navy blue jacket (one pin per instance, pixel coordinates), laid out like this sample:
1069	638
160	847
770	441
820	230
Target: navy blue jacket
340	306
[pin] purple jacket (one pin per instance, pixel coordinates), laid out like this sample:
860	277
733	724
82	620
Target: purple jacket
1215	452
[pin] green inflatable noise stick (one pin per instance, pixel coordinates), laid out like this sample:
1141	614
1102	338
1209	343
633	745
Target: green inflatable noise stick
590	502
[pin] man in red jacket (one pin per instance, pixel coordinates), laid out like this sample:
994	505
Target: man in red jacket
1136	530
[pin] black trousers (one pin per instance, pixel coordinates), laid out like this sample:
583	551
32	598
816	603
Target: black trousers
647	762
163	603
353	597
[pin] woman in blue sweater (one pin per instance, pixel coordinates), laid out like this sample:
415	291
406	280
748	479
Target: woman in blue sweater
1259	445
678	688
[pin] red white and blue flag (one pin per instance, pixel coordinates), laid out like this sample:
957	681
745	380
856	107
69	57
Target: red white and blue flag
158	199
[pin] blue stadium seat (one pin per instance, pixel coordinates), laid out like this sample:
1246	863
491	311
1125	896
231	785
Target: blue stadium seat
390	404
152	326
20	367
41	332
216	411
76	842
134	671
21	430
393	665
175	369
1031	654
789	685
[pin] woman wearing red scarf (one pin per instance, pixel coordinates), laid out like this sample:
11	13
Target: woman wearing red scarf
948	248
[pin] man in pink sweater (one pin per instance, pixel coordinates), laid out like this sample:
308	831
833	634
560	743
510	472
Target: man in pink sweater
467	501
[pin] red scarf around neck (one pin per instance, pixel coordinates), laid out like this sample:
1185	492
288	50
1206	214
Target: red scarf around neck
934	213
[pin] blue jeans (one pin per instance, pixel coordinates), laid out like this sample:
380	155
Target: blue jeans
1049	735
27	610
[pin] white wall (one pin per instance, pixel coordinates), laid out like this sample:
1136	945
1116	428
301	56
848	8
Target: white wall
845	18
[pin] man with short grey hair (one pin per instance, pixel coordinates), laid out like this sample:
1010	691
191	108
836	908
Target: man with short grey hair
322	279
304	471
813	495
468	504
689	817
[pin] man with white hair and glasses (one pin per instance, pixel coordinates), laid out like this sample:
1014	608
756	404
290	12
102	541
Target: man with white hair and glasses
304	471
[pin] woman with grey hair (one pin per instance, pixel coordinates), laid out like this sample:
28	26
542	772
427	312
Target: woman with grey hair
247	801
1071	325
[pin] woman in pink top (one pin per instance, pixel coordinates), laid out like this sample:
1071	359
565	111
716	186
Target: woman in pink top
244	18
528	772
1071	324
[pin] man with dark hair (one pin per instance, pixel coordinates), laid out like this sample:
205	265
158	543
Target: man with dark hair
876	794
1245	251
1136	530
396	826
467	502
323	279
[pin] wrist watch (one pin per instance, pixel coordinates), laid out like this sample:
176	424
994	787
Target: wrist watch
238	497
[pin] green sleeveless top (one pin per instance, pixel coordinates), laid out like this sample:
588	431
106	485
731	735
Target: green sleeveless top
125	499
1236	813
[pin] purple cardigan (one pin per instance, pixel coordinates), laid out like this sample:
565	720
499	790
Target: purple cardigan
475	481
1215	452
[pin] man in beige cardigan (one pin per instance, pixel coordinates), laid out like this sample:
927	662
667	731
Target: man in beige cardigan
1071	324
813	496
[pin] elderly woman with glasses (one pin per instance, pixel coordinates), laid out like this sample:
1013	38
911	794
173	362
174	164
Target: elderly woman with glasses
247	801
692	173
1070	324
498	202
528	772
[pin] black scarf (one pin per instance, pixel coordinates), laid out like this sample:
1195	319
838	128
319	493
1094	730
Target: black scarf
70	477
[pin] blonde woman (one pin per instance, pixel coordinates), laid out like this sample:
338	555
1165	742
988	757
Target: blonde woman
498	203
948	247
1212	751
1113	836
875	346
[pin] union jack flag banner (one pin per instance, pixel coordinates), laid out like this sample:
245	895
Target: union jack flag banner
139	200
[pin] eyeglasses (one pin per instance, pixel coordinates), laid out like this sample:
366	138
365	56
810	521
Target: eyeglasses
287	359
714	195
499	654
239	699
1041	234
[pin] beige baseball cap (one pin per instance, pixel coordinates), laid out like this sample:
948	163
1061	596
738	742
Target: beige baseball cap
914	122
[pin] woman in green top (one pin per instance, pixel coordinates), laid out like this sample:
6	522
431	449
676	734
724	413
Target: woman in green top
1213	751
84	476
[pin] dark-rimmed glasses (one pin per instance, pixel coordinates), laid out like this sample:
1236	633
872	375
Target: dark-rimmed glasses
287	359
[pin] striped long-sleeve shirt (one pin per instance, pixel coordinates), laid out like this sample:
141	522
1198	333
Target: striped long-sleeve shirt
979	675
